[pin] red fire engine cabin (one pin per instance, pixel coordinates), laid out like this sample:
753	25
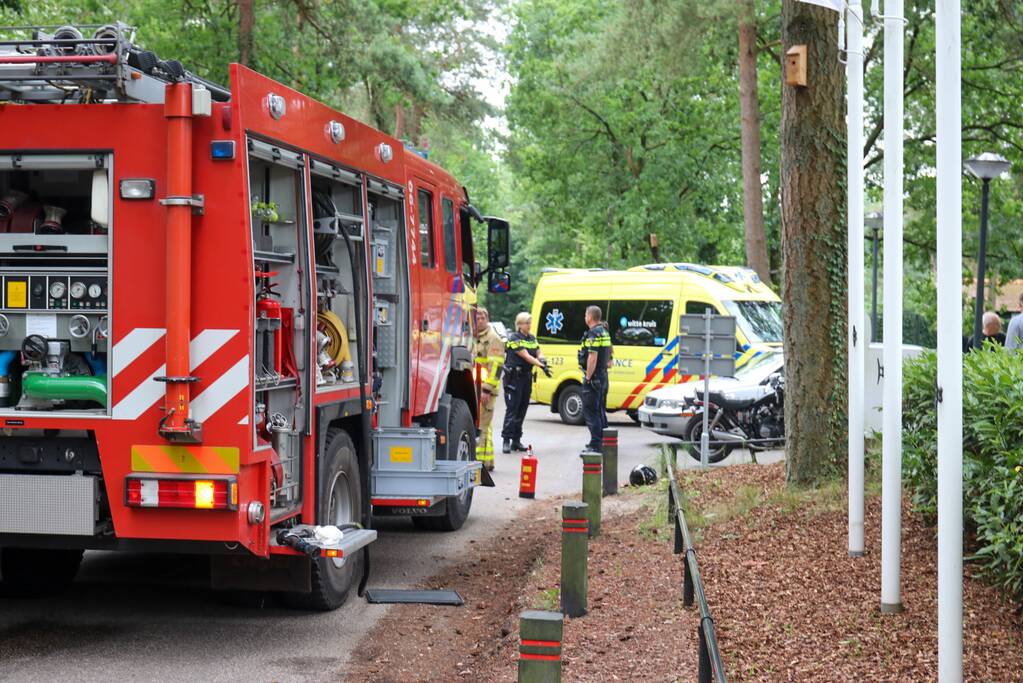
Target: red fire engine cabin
232	322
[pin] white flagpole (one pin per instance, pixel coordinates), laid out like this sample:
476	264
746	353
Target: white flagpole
857	339
891	468
948	106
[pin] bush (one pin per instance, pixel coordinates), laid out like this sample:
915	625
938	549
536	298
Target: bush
992	455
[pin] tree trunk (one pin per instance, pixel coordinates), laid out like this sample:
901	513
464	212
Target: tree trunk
753	200
246	19
813	194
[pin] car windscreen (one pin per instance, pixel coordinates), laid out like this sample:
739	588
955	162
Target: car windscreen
760	321
758	369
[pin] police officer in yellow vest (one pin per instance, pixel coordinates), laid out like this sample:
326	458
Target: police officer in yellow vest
523	354
489	353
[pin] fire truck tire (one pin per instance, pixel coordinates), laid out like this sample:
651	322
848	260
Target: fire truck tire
339	502
462	446
34	573
570	405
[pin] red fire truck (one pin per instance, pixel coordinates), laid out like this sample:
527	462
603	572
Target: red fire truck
233	322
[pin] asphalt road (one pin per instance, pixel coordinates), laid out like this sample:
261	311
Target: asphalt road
146	617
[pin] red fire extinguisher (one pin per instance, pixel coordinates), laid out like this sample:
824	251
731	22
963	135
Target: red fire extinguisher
527	475
268	313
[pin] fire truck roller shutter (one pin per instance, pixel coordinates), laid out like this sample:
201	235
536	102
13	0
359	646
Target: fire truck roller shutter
339	498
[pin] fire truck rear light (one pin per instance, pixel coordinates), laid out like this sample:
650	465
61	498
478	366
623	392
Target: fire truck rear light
331	552
402	502
204	494
182	493
222	149
138	188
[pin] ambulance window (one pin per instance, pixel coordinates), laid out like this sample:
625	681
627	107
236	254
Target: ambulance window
640	322
698	307
563	322
448	215
426	229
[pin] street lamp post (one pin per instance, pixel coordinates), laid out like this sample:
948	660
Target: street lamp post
985	167
874	221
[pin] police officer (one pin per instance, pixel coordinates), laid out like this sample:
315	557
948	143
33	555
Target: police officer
521	356
489	353
594	358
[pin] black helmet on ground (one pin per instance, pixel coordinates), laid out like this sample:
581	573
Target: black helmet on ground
642	475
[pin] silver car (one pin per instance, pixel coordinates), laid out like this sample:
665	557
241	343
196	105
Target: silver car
667	410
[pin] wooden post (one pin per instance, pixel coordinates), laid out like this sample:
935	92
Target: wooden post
610	448
574	557
593	484
540	647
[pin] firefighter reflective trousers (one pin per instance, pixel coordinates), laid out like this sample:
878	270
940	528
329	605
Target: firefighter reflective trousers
485	445
518	386
594	397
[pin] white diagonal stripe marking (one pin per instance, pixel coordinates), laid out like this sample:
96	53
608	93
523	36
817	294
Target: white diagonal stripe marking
142	397
221	391
133	345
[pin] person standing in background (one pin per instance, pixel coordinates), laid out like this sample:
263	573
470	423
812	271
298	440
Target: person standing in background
489	352
594	358
1014	335
991	331
521	356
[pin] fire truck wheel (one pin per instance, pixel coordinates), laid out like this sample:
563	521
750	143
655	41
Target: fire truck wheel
34	573
339	502
570	405
461	446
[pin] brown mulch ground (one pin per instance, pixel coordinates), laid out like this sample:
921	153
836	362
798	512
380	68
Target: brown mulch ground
789	603
636	628
792	606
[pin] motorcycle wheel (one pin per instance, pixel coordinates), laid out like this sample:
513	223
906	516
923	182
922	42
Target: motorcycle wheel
693	431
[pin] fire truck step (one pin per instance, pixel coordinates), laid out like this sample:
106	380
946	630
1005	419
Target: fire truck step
351	541
396	596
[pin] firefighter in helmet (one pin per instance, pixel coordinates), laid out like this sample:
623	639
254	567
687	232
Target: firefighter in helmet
489	353
521	356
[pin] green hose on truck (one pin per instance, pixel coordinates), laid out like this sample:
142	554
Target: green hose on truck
67	388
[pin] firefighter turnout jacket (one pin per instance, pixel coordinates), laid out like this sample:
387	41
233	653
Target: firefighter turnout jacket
490	357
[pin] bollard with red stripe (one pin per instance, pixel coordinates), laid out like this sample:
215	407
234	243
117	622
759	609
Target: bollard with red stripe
593	485
574	556
610	450
540	646
527	475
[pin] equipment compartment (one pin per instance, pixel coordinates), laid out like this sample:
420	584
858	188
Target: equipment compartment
54	282
339	237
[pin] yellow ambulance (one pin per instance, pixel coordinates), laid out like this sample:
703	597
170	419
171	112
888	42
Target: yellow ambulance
641	308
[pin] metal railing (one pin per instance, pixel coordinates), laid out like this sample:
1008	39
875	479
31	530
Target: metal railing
711	668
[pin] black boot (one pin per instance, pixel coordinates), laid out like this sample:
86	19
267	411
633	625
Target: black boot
507	447
517	446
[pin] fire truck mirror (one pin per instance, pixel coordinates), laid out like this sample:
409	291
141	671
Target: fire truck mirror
497	243
477	273
499	282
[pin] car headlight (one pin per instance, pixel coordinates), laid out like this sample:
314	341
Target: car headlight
669	403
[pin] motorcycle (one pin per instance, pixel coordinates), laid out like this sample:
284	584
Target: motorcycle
747	415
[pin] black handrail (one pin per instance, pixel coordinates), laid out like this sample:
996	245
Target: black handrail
692	584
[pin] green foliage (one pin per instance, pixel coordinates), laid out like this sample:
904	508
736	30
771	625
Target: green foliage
992	455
